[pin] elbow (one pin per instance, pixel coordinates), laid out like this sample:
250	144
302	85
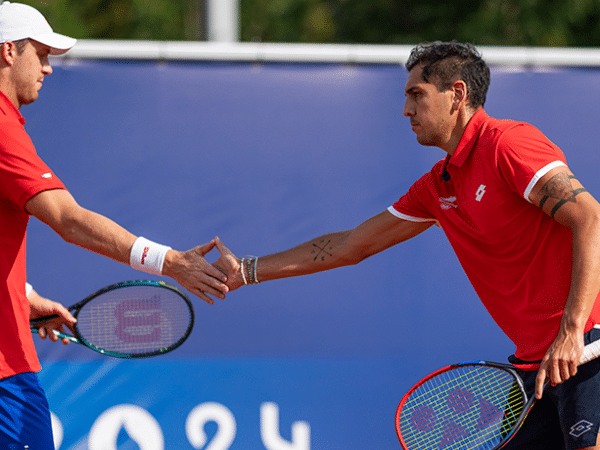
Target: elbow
354	250
589	221
360	256
586	229
69	226
595	224
354	255
68	231
350	260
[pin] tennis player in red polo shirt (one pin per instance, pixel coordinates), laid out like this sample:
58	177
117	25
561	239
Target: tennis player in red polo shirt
525	230
29	187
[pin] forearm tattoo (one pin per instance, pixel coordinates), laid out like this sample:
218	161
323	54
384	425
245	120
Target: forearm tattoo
559	187
321	249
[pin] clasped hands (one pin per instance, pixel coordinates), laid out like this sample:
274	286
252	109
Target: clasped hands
216	279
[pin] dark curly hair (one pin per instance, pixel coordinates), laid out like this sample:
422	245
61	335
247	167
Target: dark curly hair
447	62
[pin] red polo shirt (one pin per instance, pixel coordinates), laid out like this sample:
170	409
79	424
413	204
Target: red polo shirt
517	258
22	175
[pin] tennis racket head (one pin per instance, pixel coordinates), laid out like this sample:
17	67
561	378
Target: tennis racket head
134	319
474	405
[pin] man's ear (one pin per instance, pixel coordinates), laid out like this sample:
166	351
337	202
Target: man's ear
8	52
460	93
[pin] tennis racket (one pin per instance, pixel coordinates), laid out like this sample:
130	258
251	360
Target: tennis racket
475	405
132	319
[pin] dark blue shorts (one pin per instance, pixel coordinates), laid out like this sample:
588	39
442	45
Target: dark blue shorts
568	415
24	414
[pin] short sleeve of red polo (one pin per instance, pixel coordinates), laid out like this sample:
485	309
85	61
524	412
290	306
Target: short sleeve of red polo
22	173
524	156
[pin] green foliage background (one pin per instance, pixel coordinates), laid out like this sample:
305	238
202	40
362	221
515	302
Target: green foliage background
560	23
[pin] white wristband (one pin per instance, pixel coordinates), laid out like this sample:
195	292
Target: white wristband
148	256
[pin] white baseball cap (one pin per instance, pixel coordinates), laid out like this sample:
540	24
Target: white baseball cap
18	21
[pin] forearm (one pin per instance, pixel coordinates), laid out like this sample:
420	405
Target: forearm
323	253
560	195
585	276
98	234
326	252
80	226
101	235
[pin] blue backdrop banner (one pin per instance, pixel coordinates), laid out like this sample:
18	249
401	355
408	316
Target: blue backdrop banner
266	156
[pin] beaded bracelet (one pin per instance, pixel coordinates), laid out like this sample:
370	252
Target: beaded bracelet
248	269
255	270
242	263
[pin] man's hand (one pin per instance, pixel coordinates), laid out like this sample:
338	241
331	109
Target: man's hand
40	307
560	362
229	264
194	273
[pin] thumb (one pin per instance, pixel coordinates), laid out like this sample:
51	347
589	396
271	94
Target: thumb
66	314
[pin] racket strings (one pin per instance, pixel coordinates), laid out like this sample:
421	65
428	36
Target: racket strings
454	428
455	431
135	320
466	407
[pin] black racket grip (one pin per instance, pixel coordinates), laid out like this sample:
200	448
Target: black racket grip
44	319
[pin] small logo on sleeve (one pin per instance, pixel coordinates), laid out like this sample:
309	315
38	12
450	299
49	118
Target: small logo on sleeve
47	175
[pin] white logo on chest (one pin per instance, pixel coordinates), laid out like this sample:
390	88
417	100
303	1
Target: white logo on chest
480	192
448	202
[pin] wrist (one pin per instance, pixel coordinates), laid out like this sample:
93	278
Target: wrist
572	325
169	262
148	256
249	270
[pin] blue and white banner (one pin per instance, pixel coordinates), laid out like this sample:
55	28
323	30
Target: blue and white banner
266	156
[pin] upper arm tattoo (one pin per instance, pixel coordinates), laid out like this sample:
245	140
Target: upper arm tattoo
559	187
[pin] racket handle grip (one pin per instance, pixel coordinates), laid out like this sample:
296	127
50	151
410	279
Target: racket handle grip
59	335
44	319
590	351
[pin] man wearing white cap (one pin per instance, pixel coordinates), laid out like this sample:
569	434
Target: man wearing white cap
29	187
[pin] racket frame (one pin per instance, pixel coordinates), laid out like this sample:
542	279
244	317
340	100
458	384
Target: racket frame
527	402
590	352
80	339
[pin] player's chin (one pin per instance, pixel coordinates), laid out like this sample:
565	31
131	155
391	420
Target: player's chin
423	140
30	98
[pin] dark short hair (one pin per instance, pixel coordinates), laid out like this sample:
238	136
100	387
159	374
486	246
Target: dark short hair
447	62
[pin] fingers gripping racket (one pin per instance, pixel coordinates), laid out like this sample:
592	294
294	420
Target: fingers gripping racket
133	319
475	405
